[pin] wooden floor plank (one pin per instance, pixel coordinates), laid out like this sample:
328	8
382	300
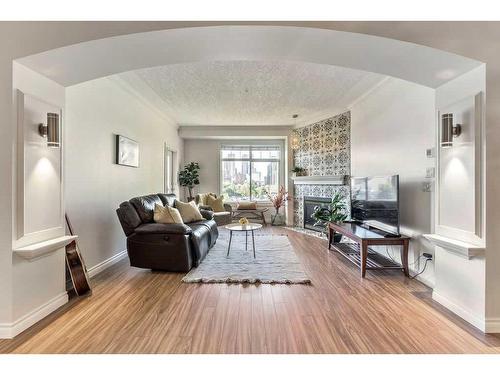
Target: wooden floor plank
139	311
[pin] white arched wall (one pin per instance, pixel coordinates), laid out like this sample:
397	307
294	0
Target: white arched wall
77	63
90	60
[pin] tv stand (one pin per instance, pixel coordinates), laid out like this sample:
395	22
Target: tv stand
359	252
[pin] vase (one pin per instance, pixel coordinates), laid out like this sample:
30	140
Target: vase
277	219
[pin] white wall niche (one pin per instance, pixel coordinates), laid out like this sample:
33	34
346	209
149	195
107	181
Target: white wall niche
39	200
459	182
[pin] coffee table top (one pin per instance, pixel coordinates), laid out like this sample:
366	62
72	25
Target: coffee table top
243	228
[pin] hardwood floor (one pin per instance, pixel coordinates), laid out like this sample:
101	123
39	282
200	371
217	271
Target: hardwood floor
139	311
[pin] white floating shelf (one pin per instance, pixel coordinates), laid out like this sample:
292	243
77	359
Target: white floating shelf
460	248
40	249
319	180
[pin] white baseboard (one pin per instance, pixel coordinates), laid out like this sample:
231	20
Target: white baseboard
98	268
425	280
8	331
462	312
492	325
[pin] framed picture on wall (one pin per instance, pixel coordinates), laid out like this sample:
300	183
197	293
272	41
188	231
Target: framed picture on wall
127	151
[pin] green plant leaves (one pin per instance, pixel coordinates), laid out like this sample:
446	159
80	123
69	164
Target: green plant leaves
335	212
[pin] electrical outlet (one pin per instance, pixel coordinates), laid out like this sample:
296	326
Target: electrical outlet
430	172
426	187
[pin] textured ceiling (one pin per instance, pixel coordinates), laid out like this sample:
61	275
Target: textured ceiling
255	92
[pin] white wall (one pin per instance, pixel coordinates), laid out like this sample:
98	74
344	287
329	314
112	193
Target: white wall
391	128
206	153
94	184
460	282
34	283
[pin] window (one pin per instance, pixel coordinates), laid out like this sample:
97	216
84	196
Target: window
168	171
248	172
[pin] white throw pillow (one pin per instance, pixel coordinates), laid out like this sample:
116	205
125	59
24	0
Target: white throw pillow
167	215
189	211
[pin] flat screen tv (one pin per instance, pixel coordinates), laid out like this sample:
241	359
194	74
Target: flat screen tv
375	202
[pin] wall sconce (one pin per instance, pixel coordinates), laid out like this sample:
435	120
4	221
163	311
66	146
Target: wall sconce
448	131
51	130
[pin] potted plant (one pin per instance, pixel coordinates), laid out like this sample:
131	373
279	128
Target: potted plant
189	177
298	171
278	200
333	213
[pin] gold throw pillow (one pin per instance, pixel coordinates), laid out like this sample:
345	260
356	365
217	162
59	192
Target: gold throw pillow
167	215
189	211
216	203
247	206
203	198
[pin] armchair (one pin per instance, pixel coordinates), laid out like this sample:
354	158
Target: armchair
221	218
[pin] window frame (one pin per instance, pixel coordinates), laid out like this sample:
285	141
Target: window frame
250	159
169	169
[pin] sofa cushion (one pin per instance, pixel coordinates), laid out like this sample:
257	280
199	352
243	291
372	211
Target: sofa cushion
157	228
189	211
201	199
217	204
145	206
167	215
210	226
167	199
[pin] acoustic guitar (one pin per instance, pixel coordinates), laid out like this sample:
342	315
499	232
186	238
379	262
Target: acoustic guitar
76	265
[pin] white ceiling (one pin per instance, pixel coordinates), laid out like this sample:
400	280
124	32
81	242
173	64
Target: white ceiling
253	92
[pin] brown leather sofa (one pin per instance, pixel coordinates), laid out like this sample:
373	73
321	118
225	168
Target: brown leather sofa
166	247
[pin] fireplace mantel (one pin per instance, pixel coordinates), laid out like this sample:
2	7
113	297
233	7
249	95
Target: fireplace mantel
319	180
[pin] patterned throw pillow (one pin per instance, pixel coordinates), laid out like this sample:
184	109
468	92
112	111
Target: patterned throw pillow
167	215
216	203
189	211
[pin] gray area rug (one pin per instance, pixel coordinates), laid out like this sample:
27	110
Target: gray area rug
275	262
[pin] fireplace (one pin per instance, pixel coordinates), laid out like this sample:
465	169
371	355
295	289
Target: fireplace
309	204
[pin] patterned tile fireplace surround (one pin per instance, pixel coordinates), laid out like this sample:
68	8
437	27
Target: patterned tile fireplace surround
324	149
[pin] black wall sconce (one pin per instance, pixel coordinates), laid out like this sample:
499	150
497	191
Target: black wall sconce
51	130
448	130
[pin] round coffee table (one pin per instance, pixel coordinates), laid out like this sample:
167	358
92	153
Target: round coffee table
250	227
